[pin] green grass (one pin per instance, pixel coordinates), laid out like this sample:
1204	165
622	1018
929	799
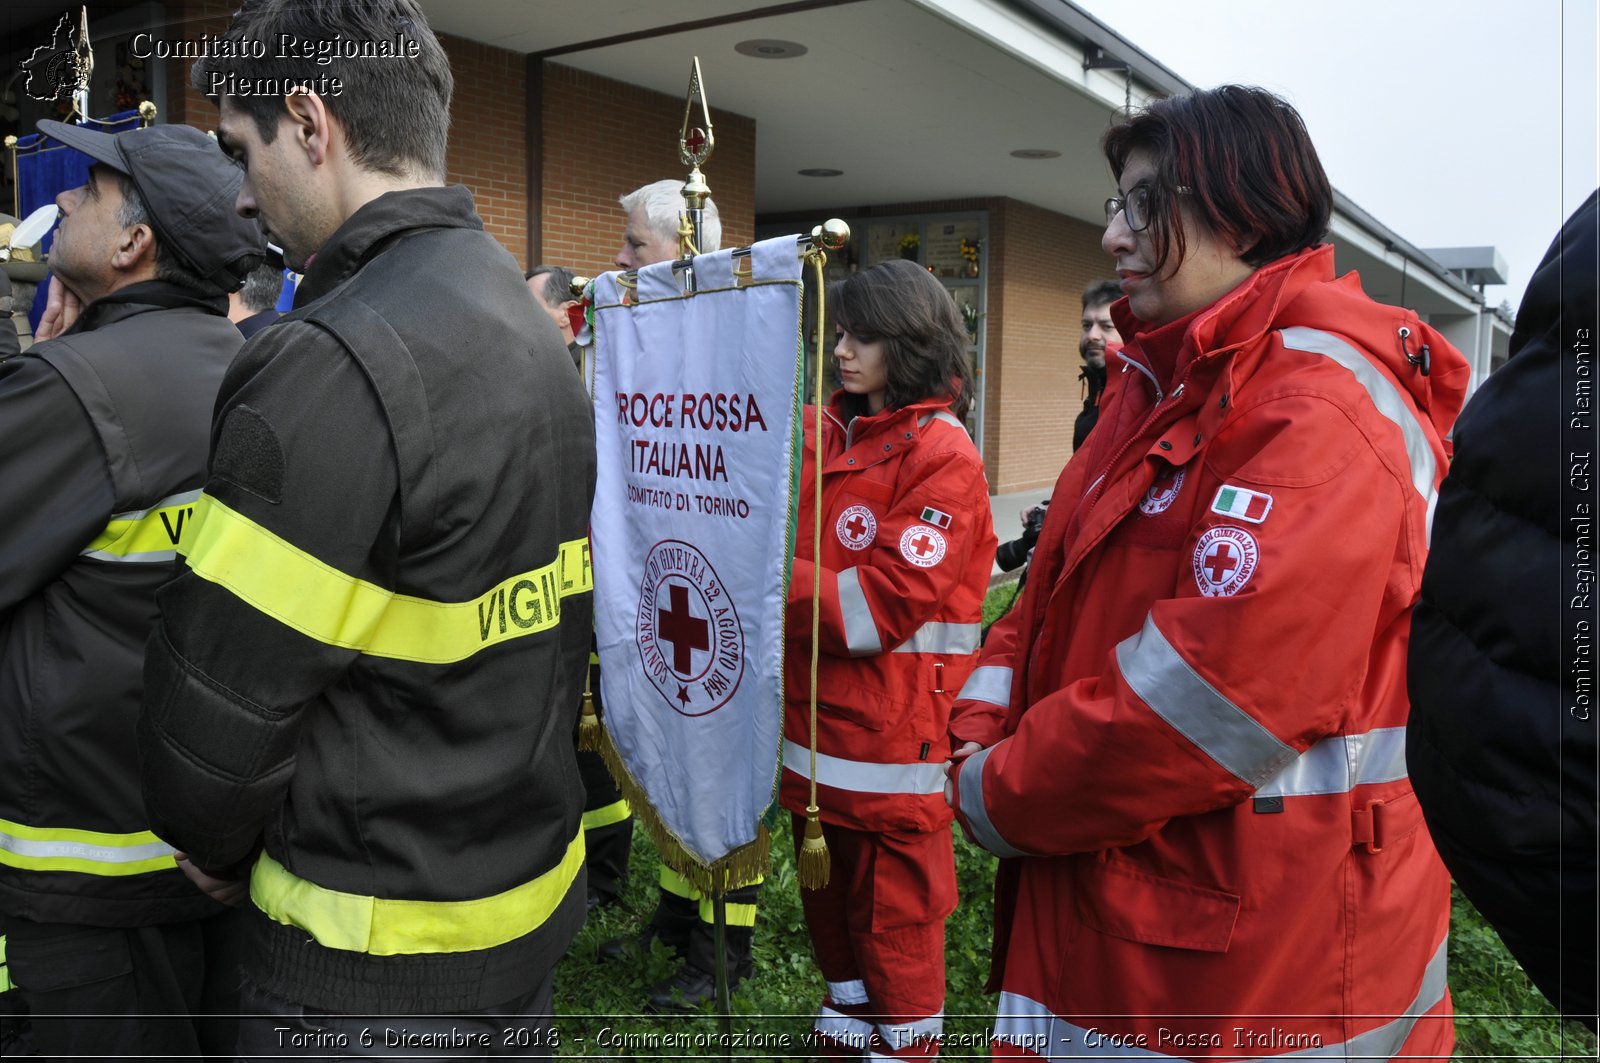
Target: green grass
1499	1012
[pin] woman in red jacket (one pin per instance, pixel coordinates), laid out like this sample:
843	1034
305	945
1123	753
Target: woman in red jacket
1188	739
907	548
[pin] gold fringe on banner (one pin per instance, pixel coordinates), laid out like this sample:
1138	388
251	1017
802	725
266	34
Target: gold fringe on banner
738	868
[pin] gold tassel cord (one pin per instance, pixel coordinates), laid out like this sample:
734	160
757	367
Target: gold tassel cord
589	722
814	865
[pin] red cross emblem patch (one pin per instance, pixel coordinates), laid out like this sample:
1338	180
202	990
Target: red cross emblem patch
922	546
856	527
1224	560
1161	495
691	644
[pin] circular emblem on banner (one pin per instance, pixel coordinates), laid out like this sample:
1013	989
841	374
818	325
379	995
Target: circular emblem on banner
1224	560
691	644
856	527
922	546
1161	495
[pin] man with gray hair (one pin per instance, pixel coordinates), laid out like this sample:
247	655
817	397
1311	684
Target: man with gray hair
108	423
651	234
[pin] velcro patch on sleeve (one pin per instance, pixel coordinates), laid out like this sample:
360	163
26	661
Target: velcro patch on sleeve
249	455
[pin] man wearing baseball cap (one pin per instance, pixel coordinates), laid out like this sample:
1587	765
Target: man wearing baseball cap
107	426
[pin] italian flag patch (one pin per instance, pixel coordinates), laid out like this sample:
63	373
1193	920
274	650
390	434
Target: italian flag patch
1242	503
937	517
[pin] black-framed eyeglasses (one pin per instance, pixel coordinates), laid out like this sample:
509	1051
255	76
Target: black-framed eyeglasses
1135	206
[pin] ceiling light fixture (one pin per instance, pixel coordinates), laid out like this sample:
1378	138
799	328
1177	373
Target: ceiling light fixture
770	49
821	171
1035	153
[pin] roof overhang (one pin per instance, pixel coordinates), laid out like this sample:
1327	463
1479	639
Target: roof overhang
914	100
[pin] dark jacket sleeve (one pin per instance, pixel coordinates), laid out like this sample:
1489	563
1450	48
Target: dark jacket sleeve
55	493
300	491
10	344
1501	744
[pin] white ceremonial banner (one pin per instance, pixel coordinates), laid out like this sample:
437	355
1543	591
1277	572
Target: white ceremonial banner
696	406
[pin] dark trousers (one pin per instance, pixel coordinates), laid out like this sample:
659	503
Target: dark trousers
165	991
607	830
277	1029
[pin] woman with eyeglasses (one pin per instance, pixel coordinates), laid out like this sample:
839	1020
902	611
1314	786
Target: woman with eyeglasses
907	547
1187	741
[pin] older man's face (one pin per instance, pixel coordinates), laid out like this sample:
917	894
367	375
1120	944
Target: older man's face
641	246
90	233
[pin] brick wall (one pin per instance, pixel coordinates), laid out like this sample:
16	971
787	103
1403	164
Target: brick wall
603	139
489	137
1040	262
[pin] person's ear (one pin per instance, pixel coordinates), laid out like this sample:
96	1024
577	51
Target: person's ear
311	123
135	243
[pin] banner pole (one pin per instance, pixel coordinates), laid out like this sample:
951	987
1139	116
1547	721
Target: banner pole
719	929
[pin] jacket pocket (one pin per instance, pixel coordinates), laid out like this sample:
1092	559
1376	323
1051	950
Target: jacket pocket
70	961
1122	901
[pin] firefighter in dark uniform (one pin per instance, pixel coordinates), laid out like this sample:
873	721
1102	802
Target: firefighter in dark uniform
106	429
365	678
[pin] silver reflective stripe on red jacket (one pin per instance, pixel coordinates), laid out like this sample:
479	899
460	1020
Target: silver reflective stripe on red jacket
865	777
860	629
1340	763
1386	396
943	415
990	684
1197	710
938	637
975	811
1028	1024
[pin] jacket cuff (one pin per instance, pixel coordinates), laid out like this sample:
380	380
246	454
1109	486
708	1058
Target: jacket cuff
974	813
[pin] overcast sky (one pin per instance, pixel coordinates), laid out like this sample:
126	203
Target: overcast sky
1453	122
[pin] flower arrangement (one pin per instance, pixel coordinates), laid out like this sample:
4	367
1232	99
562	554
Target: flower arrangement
910	244
970	318
969	256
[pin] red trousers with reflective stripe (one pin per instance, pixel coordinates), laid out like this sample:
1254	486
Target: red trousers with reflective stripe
877	930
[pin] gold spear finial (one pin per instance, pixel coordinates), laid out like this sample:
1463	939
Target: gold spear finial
695	139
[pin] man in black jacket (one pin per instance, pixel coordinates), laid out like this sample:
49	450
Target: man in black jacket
363	687
106	450
1097	340
1501	744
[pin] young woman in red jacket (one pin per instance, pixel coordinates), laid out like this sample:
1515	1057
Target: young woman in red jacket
907	548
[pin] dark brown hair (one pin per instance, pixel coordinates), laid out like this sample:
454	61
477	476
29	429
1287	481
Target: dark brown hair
1246	162
925	343
1101	293
395	111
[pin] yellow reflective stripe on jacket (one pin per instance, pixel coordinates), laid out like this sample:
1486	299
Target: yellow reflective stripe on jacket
147	535
5	968
733	914
88	852
605	815
380	927
319	601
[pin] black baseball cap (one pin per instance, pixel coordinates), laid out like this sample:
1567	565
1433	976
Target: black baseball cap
189	187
